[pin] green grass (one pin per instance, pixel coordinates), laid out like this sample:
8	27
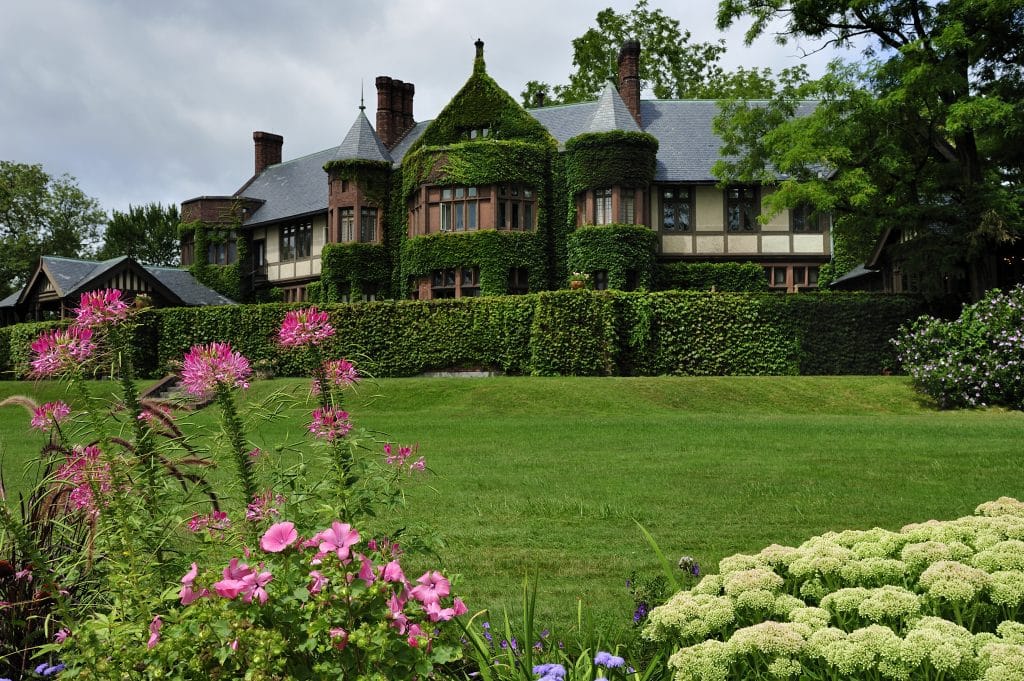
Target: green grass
548	475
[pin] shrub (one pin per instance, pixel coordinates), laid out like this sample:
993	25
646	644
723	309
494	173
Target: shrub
973	361
704	276
860	605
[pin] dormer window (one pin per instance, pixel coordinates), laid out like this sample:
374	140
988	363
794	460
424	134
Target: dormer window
476	133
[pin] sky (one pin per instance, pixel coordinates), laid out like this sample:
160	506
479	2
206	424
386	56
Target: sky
145	102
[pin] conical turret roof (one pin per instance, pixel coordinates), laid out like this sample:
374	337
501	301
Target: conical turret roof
362	143
611	113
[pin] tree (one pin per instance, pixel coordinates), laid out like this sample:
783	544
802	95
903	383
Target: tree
925	134
41	215
670	65
147	233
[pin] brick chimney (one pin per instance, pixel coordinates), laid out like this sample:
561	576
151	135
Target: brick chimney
268	149
385	130
408	92
629	77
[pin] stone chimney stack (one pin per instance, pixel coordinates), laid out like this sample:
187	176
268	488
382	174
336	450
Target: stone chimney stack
629	77
408	92
538	100
268	149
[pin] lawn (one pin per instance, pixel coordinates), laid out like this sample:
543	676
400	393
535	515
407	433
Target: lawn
547	475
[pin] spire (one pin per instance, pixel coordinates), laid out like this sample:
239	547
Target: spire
362	101
362	143
610	113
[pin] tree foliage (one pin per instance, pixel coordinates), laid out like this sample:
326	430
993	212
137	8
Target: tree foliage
41	215
671	66
925	133
149	234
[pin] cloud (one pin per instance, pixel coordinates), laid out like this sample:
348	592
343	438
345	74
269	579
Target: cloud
157	101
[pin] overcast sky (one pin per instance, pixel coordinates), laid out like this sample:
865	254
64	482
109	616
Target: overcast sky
145	101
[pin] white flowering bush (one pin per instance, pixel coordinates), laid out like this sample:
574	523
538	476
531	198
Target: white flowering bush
936	600
973	361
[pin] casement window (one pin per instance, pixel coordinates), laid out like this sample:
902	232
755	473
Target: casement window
516	207
518	281
627	206
296	241
804	218
460	210
346	224
294	294
459	282
188	249
741	209
224	252
603	206
791	277
599	278
368	225
676	209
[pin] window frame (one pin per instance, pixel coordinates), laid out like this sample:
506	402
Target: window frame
676	202
754	208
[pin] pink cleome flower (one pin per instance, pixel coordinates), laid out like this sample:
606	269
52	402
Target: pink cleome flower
207	366
340	373
308	326
330	424
264	506
50	414
61	350
84	471
97	308
217	522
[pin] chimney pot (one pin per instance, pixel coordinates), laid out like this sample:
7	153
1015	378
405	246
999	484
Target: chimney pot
629	77
479	48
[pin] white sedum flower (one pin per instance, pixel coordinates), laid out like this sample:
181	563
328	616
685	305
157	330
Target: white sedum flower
1001	507
688	617
707	661
954	581
1006	588
890	605
1006	555
760	579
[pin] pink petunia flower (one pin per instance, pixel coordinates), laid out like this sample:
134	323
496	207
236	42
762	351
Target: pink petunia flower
308	326
432	588
330	424
415	634
207	366
278	537
96	308
337	539
154	632
459	607
59	351
50	414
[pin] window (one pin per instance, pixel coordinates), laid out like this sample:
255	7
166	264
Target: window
461	282
518	281
367	225
296	241
600	279
188	248
792	277
676	207
804	218
346	224
602	206
222	252
459	209
741	209
627	206
294	294
515	207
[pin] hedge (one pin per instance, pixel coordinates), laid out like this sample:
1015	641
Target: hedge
703	276
586	333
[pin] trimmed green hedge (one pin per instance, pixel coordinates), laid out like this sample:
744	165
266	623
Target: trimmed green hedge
583	333
702	276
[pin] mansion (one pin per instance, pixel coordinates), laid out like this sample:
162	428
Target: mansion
490	198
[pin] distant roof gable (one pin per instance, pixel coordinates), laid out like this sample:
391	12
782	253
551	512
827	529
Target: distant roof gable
362	143
610	113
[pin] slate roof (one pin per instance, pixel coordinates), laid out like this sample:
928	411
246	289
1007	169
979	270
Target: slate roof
362	142
856	273
687	148
611	113
71	274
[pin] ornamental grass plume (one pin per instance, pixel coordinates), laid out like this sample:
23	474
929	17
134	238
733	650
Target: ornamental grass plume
98	308
61	351
206	367
308	326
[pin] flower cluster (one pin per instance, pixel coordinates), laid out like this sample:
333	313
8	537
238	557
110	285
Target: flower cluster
50	414
973	361
215	522
338	373
88	475
308	326
908	604
400	458
60	351
98	308
330	424
264	506
208	366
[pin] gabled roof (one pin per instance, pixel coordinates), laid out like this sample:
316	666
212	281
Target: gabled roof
362	143
611	113
70	276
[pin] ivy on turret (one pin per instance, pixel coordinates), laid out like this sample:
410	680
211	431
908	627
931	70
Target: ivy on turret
616	249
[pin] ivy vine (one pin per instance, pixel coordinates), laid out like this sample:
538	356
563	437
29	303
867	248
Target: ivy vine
494	252
616	249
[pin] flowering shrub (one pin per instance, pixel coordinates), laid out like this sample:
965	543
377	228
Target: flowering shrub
936	600
278	581
974	361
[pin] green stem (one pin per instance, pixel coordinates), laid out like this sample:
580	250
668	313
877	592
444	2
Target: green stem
234	429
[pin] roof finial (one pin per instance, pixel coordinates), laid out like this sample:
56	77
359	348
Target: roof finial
479	48
362	103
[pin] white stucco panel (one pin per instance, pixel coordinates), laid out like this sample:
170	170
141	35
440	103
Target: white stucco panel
774	243
810	243
710	244
709	213
743	243
676	244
